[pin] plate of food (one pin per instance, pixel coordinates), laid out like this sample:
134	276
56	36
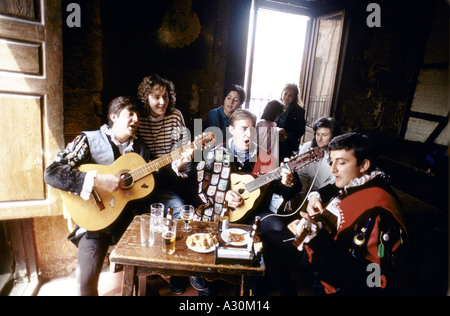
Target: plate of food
236	237
202	242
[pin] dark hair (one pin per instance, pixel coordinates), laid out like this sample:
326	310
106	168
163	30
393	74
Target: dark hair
272	110
240	90
360	145
119	104
148	86
294	88
242	115
327	122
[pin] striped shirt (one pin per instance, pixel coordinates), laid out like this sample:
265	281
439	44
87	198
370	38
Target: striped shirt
164	133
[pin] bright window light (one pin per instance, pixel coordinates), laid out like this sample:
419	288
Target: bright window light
279	46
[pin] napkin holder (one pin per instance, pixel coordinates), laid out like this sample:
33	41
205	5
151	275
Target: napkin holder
233	255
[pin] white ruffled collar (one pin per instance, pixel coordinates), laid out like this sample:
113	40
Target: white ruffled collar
364	179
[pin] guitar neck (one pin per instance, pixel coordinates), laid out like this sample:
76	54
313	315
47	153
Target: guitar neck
296	163
158	163
263	180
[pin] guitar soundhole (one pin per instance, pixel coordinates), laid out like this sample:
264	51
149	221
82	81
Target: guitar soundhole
241	191
127	181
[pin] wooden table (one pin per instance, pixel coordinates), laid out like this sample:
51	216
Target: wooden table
139	261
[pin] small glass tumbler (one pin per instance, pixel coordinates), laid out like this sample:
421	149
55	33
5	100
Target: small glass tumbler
147	235
157	212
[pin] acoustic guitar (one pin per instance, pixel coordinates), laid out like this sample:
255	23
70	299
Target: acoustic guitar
103	207
249	188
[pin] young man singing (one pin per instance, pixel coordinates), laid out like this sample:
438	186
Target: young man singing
103	147
241	155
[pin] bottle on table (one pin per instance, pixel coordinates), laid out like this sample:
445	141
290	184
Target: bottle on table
169	213
255	244
224	218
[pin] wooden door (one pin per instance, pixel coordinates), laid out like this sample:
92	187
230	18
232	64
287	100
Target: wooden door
31	117
320	89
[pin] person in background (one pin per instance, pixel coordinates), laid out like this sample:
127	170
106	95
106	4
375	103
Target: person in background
163	130
266	128
220	117
356	230
268	138
103	147
325	128
292	121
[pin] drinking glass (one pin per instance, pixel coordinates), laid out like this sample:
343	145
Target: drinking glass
169	235
157	212
186	214
147	234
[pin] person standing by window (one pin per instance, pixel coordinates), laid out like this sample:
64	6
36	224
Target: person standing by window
267	132
292	121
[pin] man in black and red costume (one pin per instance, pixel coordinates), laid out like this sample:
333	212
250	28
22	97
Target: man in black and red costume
356	242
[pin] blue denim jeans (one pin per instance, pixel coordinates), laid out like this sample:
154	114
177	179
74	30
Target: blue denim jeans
169	199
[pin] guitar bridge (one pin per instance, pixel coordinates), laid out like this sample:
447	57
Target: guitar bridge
98	200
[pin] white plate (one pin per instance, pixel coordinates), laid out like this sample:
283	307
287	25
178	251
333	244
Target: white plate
199	249
226	233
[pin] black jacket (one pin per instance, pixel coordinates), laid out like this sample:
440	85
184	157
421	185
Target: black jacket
344	263
294	124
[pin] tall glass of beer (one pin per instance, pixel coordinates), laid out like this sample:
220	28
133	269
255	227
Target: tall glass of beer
169	235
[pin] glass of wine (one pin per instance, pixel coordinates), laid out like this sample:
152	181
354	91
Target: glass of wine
186	214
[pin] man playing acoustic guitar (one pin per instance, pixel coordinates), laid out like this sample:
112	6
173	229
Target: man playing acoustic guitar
355	243
242	156
101	147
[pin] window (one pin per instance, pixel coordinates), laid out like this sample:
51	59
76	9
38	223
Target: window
291	44
278	51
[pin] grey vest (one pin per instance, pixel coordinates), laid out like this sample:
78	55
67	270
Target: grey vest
100	147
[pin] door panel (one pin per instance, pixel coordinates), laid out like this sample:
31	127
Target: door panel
21	57
21	177
328	42
22	9
31	105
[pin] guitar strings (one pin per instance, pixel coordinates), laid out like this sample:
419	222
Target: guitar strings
144	169
304	200
202	141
